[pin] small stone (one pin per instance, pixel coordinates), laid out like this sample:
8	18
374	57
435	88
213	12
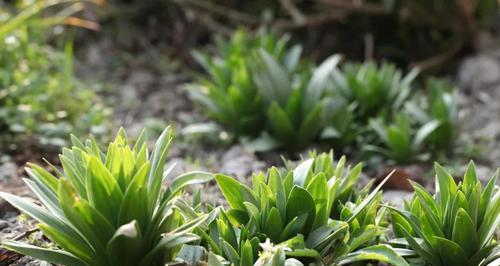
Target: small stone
478	73
28	261
181	166
8	170
397	198
141	79
240	163
3	224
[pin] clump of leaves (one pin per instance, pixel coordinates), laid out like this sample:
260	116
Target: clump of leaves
347	176
382	96
271	255
402	143
349	107
441	105
229	94
41	102
294	208
375	90
258	86
456	226
295	99
108	208
341	128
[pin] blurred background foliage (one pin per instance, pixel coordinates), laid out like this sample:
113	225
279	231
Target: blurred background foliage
240	51
411	33
41	101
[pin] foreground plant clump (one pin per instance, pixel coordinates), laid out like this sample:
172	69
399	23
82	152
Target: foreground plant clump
457	226
292	209
109	208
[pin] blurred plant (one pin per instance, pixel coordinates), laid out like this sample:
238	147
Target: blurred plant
342	129
295	99
441	105
374	90
294	208
401	141
108	208
41	101
230	95
58	12
300	104
454	227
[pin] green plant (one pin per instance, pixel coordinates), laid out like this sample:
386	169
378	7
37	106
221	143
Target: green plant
240	246
375	90
341	128
443	108
302	103
296	101
456	226
294	208
441	104
41	102
402	142
346	176
259	86
271	255
230	95
275	255
108	208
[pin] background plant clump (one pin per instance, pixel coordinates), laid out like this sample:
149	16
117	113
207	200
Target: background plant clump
270	97
41	100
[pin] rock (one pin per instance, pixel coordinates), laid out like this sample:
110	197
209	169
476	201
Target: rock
27	261
168	102
3	224
240	163
484	41
478	73
128	93
182	166
8	171
141	80
397	198
479	80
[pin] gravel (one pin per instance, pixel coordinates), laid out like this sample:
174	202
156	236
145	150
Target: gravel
479	82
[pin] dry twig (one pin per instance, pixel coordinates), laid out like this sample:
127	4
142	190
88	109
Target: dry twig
311	21
220	11
25	234
293	11
439	59
357	6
